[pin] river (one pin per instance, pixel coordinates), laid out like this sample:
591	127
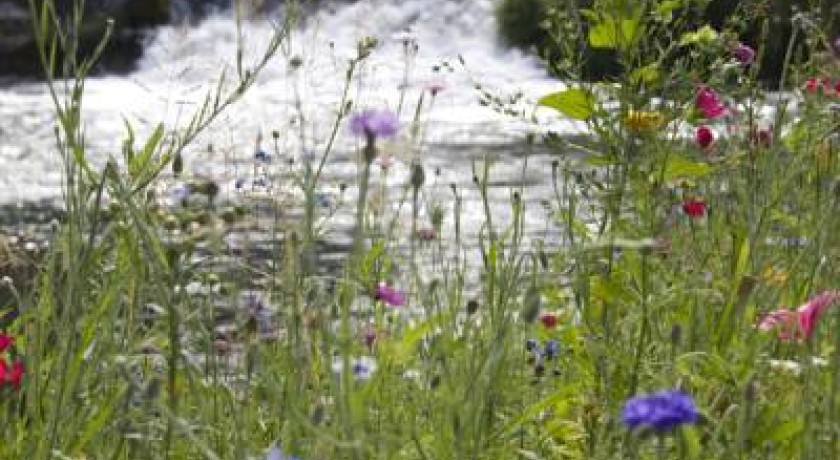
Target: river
448	43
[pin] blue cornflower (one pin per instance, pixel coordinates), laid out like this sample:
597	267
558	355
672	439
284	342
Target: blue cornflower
276	454
531	345
180	192
661	412
374	123
323	200
362	368
552	349
262	156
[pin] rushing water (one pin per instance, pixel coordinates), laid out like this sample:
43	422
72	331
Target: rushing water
456	46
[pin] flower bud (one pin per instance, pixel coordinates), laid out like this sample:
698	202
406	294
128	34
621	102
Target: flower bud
418	176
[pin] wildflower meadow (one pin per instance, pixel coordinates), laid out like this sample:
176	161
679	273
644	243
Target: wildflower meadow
685	307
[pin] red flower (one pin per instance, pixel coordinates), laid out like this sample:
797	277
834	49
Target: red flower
704	137
694	208
549	320
6	341
761	137
815	84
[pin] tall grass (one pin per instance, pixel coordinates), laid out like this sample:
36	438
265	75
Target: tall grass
647	290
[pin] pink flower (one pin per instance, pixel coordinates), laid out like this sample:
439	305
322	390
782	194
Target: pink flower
709	103
694	208
744	54
704	137
802	322
783	319
813	309
389	295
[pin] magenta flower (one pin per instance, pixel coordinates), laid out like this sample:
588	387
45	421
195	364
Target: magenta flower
6	342
709	103
802	322
744	54
390	295
373	124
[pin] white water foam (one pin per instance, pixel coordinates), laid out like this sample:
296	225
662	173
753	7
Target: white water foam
181	64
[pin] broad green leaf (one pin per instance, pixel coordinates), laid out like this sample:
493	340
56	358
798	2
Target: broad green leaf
679	167
575	103
611	33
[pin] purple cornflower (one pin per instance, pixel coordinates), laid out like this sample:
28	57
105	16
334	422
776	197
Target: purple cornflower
374	123
390	295
661	412
744	54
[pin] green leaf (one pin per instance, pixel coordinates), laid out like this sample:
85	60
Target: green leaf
600	160
647	74
704	35
665	11
611	33
691	441
786	430
679	167
141	161
575	103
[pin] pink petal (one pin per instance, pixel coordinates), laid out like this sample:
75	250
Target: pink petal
810	312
